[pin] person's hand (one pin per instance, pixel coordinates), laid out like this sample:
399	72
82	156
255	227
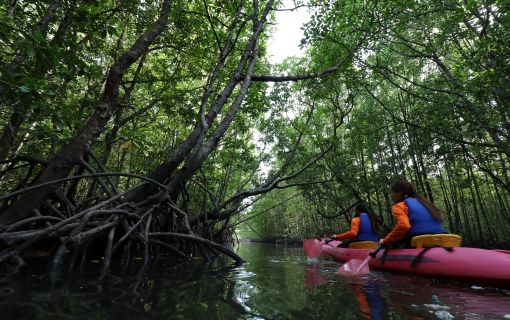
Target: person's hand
328	240
381	242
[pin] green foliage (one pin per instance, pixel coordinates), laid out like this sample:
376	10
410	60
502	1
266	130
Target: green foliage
422	93
422	98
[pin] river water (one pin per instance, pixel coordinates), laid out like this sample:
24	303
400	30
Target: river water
276	283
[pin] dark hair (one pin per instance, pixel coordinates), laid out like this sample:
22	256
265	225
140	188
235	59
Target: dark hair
408	190
364	207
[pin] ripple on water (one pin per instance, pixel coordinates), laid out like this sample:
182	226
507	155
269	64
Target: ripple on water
241	273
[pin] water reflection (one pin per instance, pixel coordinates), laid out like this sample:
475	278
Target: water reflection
164	292
312	276
275	283
419	295
371	303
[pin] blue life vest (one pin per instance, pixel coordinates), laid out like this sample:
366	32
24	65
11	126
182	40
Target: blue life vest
422	222
366	232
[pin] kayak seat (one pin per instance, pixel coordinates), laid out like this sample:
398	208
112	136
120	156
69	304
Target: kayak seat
363	245
436	240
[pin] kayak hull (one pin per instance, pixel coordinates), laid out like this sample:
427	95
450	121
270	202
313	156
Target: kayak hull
479	266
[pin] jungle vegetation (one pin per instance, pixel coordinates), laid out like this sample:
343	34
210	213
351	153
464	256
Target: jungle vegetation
139	128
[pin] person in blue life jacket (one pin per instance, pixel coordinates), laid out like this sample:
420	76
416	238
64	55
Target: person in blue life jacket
413	213
364	226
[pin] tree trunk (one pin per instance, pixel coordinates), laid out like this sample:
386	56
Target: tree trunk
197	146
61	164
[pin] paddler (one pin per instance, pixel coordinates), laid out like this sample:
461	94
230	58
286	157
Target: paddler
413	213
364	226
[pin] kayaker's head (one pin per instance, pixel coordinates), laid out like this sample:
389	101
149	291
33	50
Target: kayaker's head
402	189
362	207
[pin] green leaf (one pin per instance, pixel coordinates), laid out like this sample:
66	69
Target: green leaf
25	89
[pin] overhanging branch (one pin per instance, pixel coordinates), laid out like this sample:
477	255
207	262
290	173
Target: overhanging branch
311	75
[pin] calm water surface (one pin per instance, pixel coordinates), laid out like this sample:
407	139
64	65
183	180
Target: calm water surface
275	283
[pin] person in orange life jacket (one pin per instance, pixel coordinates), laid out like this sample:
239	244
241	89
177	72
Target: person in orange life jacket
414	215
364	226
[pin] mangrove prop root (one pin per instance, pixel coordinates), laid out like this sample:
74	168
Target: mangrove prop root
70	235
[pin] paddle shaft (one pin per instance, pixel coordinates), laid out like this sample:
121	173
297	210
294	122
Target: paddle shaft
374	253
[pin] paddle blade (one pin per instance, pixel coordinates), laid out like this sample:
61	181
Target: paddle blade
313	248
334	243
355	266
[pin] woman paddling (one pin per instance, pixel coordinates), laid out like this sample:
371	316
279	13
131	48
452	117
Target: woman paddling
364	226
414	215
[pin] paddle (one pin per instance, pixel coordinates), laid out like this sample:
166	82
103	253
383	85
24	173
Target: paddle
358	266
313	248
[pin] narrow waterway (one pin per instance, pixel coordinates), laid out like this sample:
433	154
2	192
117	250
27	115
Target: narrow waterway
276	283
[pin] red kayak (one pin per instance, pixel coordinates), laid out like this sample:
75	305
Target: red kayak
479	266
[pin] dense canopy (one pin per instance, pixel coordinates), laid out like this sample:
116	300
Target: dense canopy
134	128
